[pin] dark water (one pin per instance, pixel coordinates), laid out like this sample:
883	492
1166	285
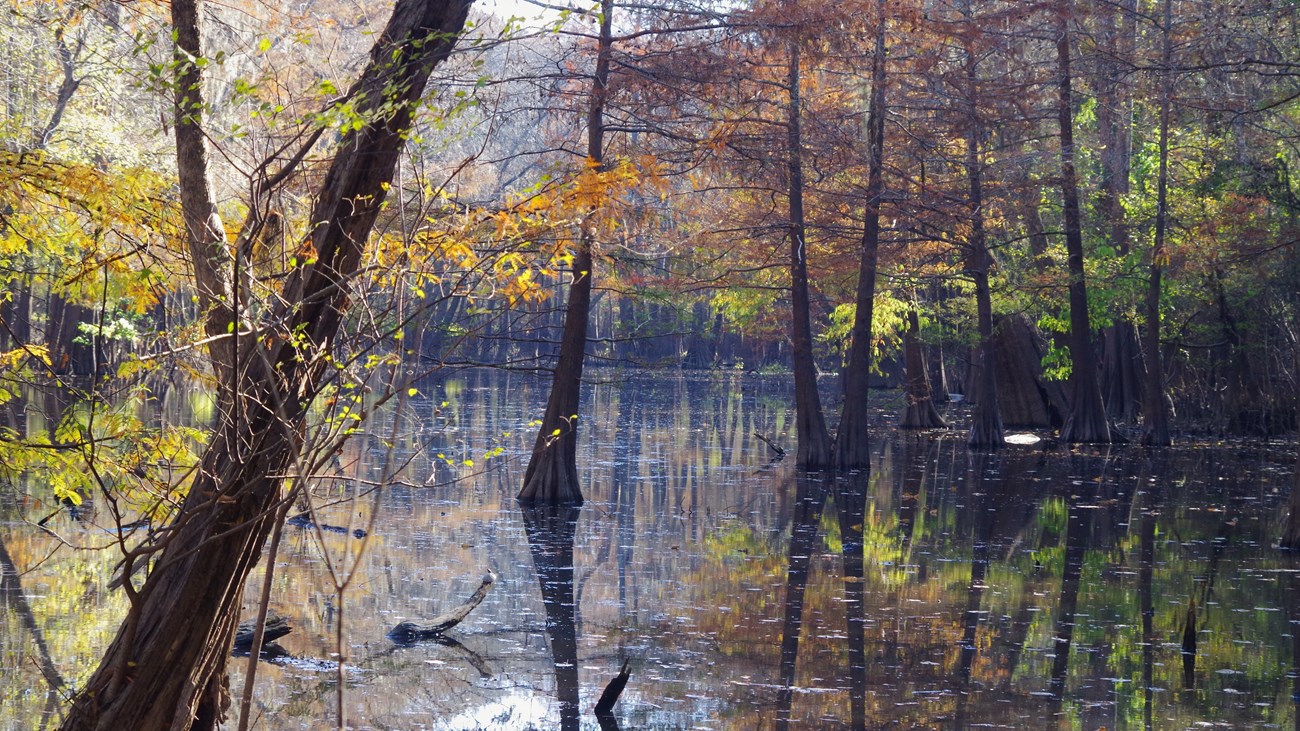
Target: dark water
1032	589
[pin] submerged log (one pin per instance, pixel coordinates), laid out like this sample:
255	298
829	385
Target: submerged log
304	520
276	627
408	632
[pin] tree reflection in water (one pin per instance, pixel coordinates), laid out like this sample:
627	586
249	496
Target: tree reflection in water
984	488
851	506
13	597
1146	571
1080	506
810	498
999	509
1293	589
550	530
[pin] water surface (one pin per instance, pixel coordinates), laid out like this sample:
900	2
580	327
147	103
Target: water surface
1031	589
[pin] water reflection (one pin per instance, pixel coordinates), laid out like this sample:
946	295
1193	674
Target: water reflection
1028	589
1293	592
851	508
12	598
1146	574
1080	507
551	530
810	497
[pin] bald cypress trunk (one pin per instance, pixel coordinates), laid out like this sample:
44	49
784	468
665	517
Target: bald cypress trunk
552	474
986	421
853	437
814	441
1155	413
919	413
1087	420
1122	373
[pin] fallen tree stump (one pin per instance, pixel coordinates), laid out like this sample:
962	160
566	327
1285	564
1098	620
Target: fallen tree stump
408	632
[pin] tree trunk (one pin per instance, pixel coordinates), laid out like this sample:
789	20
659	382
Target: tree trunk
1036	234
1122	376
986	421
1155	413
205	232
919	413
552	474
814	443
853	437
166	667
71	349
1025	397
15	314
1087	421
1246	407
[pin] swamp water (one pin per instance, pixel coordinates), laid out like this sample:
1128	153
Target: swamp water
1030	589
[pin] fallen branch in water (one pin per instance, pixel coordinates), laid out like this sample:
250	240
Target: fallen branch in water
780	453
408	632
612	691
